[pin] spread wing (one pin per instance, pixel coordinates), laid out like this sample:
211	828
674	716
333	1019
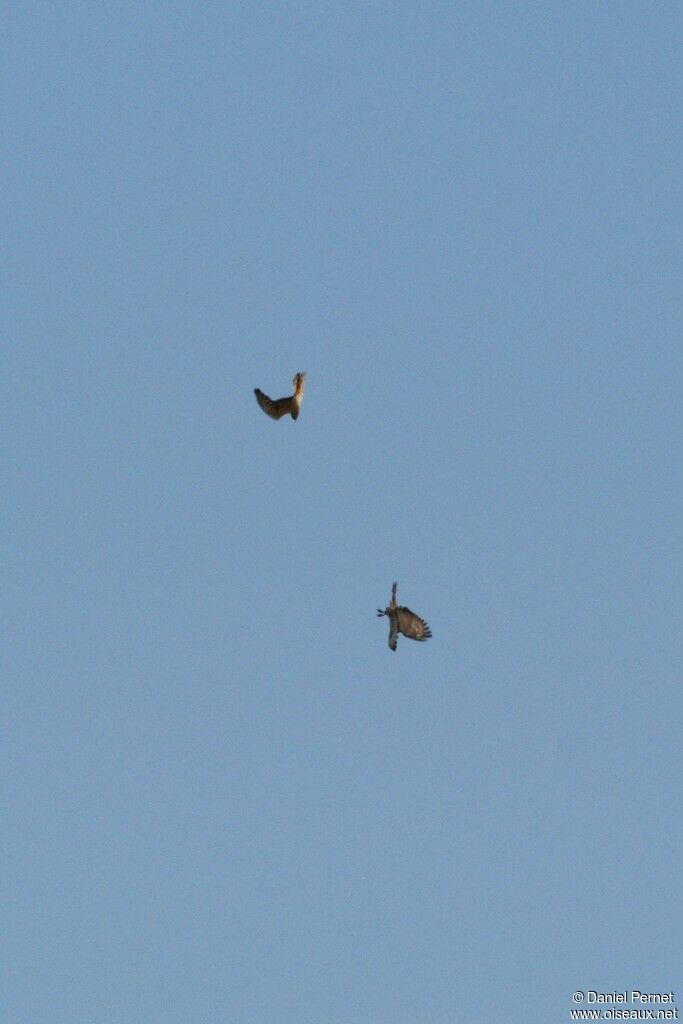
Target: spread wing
275	408
299	383
412	626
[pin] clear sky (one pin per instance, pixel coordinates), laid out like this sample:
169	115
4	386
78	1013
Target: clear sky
225	799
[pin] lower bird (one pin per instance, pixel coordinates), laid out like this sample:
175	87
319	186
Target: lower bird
278	407
402	620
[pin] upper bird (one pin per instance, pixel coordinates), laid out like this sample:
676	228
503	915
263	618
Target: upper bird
281	406
402	620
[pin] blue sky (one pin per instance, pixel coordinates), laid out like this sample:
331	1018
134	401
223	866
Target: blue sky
224	798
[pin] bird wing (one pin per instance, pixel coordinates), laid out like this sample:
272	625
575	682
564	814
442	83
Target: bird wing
275	408
299	383
412	626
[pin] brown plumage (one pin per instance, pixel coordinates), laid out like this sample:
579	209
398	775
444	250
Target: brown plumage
402	620
278	407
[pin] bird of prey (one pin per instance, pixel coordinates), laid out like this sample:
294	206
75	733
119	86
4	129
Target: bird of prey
282	406
402	620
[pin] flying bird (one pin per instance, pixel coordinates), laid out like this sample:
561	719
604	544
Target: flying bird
278	407
402	620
